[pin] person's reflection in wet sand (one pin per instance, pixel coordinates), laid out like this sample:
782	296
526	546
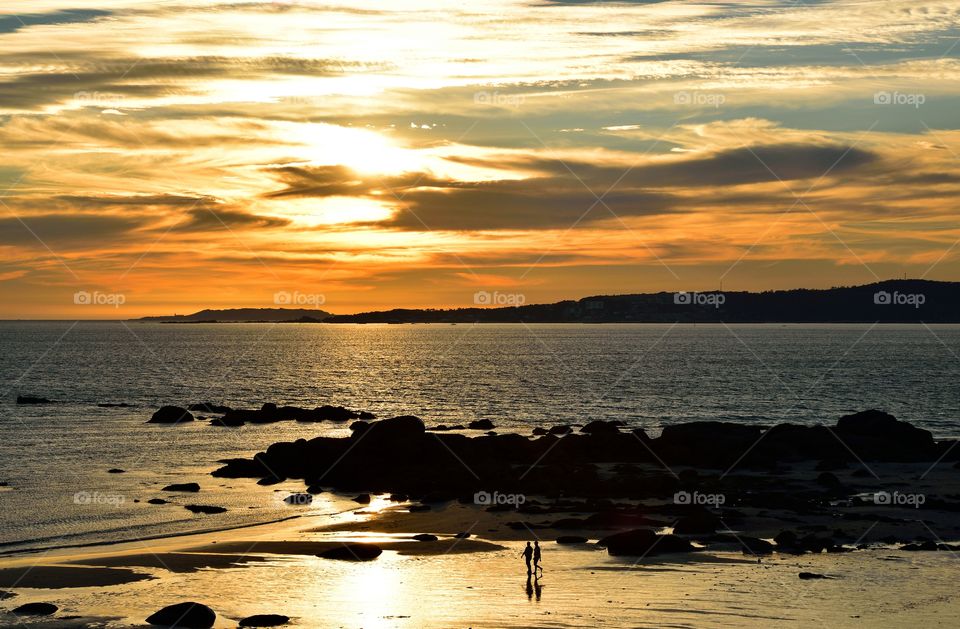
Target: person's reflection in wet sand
530	588
537	587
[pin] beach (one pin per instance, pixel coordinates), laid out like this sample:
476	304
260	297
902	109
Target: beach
470	574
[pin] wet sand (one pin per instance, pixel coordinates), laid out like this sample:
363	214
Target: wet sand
479	582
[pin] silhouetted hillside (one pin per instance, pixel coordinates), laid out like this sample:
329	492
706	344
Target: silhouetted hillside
245	314
907	301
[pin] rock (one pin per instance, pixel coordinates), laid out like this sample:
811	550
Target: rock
265	620
227	422
425	537
367	415
190	615
571	539
363	499
697	524
462	535
874	434
598	427
314	489
6	595
403	428
36	609
806	576
157	501
352	552
171	415
205	509
481	424
644	542
299	500
186	487
116	470
29	399
538	431
787	539
560	430
270	480
829	480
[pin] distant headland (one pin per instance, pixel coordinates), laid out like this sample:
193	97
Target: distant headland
891	301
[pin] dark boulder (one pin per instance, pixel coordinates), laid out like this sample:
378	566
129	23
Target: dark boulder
806	576
352	552
425	537
116	470
29	399
265	620
829	480
363	499
157	501
644	542
481	424
462	535
538	431
183	487
560	430
5	595
697	524
786	539
877	435
388	431
171	415
36	609
205	509
189	615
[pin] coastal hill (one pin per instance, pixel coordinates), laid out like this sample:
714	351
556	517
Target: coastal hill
236	315
892	301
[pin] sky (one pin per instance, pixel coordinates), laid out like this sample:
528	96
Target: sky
164	157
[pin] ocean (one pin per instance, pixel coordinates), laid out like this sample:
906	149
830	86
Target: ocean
55	457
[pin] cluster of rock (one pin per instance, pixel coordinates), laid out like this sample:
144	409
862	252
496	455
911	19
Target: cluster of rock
193	615
398	455
267	414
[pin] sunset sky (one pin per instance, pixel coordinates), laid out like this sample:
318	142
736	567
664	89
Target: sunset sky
192	154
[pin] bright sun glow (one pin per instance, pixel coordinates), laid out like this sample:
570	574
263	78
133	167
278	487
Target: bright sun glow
361	150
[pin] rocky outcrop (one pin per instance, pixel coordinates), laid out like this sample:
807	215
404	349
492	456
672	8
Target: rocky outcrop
644	542
189	615
171	415
36	609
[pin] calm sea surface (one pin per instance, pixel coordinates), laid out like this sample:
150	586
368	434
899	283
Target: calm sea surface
55	457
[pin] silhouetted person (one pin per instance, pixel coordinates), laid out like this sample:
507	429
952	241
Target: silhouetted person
536	557
527	555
